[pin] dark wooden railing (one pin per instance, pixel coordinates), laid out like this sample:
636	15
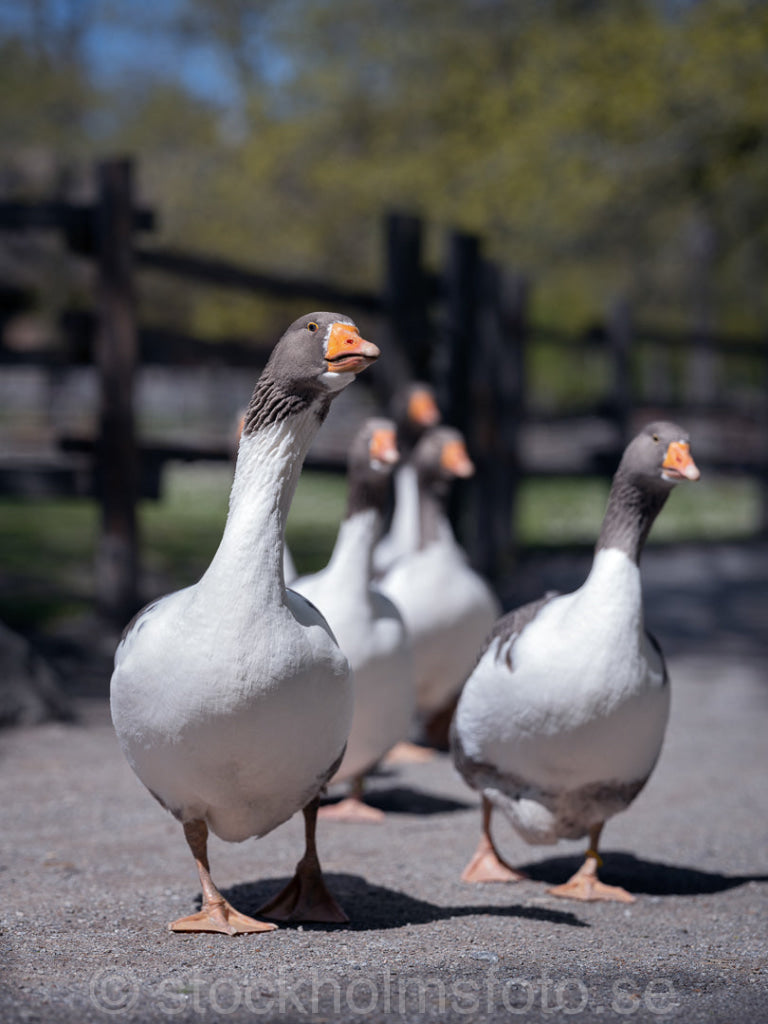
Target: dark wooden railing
466	328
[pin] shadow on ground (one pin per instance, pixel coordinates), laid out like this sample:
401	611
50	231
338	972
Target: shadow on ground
371	907
646	877
404	800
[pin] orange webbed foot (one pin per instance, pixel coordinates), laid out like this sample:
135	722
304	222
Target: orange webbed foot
589	888
352	810
487	866
305	898
409	753
220	917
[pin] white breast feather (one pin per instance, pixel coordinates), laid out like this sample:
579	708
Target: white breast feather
584	701
448	611
240	741
374	639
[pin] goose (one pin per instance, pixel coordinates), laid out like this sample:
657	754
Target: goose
366	624
414	410
231	699
447	607
562	720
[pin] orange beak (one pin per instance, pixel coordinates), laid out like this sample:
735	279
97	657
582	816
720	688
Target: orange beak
678	464
347	352
383	447
423	410
455	460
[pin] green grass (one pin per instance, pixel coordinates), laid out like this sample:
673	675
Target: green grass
317	510
570	511
181	532
47	547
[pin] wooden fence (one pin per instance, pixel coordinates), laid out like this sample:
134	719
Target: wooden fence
465	328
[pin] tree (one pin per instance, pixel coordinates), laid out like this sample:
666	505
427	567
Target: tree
589	142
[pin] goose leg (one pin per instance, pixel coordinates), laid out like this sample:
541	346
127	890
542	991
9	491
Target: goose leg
585	885
352	808
437	725
306	897
487	865
216	914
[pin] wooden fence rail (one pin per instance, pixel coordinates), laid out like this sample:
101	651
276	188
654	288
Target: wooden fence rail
466	328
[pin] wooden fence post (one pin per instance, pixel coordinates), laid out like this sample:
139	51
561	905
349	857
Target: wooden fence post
116	358
763	454
406	301
509	375
455	351
620	344
497	397
458	328
702	369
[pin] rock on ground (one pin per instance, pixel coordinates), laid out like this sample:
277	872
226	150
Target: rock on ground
30	689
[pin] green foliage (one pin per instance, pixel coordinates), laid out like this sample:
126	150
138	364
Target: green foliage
601	146
44	100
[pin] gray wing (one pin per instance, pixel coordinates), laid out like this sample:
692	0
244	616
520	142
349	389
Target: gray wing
306	612
507	629
657	647
510	626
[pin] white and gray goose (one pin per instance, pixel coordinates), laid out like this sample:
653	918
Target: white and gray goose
448	608
414	410
563	718
231	699
367	625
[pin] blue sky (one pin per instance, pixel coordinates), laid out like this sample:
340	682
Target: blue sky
116	46
129	38
113	53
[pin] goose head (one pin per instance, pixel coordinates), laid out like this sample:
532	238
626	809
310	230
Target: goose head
653	462
659	457
373	455
318	356
321	352
441	456
414	409
373	451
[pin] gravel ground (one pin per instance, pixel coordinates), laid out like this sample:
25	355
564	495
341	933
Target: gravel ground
91	871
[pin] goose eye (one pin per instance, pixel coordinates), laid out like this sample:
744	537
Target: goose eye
655	437
312	326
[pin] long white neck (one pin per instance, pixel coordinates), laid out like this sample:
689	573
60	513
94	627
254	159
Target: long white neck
405	527
434	524
613	590
248	565
352	557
